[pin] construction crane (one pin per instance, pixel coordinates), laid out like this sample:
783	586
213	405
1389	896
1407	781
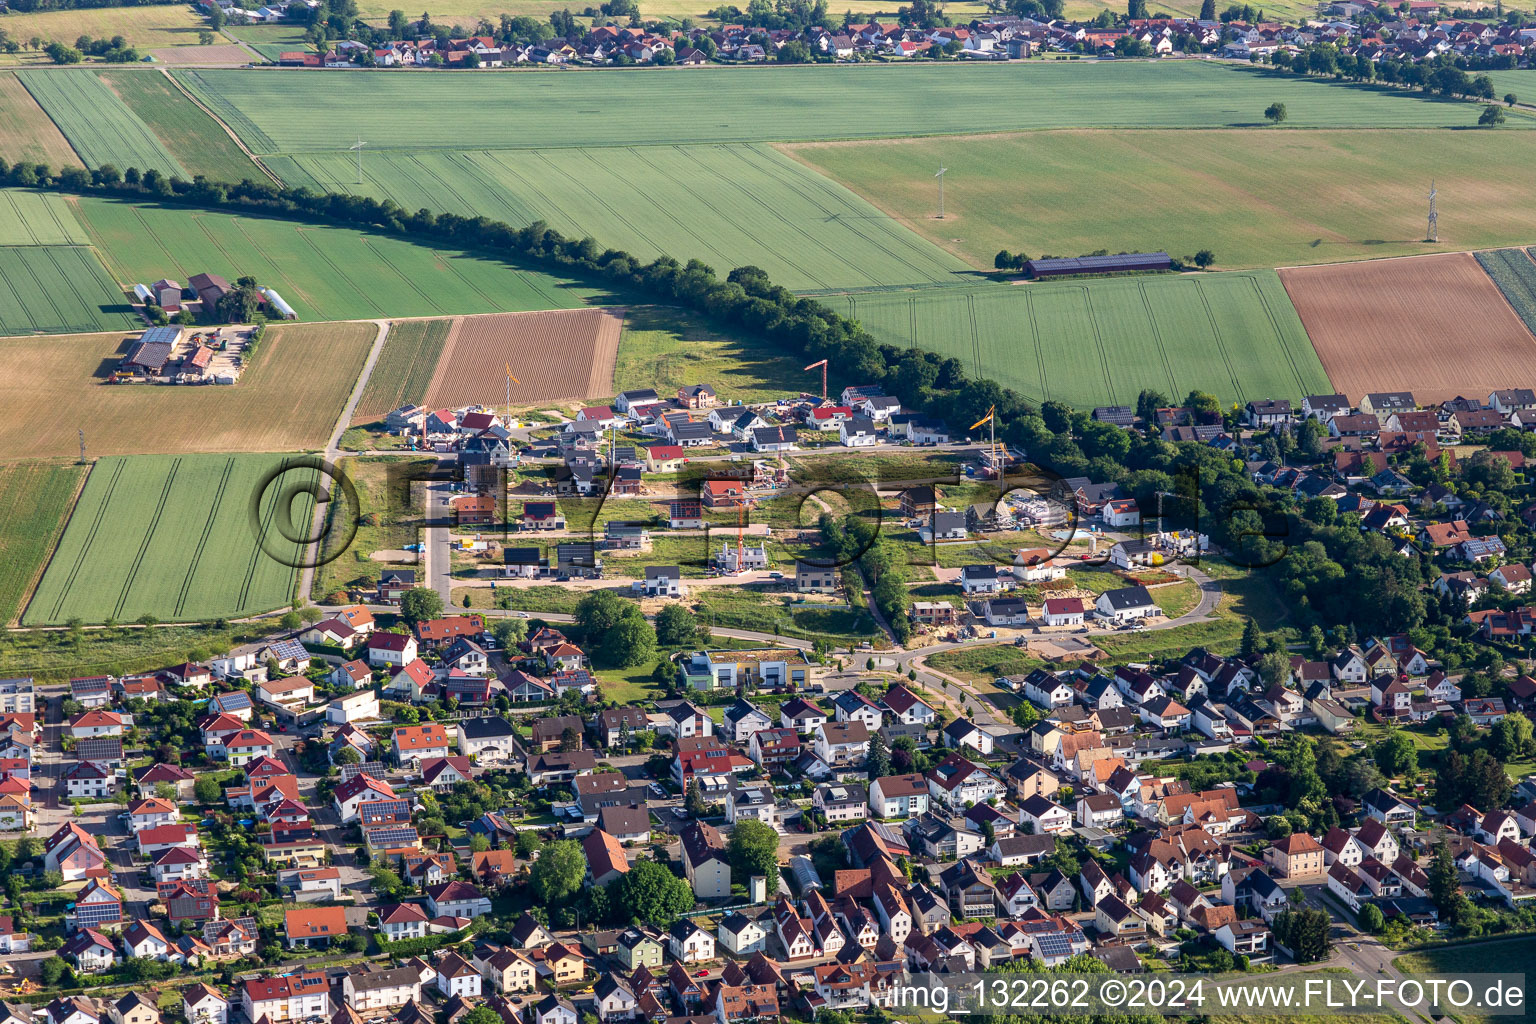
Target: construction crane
510	381
991	418
823	365
741	516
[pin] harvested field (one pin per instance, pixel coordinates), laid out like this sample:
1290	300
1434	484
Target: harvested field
218	53
405	368
563	355
26	133
1390	325
287	400
144	27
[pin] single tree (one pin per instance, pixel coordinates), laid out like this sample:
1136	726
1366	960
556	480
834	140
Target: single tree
558	873
420	604
1491	117
753	849
1275	112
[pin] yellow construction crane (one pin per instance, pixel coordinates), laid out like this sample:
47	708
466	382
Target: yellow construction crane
510	381
991	418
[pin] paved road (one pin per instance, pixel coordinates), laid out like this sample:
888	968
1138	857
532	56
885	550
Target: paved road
333	446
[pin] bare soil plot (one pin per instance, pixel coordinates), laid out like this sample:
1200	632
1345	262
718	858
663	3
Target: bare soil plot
557	356
287	400
1406	324
26	133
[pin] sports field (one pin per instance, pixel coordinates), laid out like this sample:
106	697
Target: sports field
1100	342
404	368
187	132
173	536
287	400
26	133
38	218
325	273
1395	325
1257	198
727	205
35	499
98	124
323	113
59	289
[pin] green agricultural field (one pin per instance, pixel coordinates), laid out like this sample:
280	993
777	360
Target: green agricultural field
325	273
187	132
59	289
1099	342
34	503
102	128
38	218
535	109
404	369
1257	198
729	206
665	348
1515	274
172	536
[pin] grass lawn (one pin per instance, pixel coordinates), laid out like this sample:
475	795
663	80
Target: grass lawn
1307	196
58	655
767	611
984	663
666	348
1176	599
1244	596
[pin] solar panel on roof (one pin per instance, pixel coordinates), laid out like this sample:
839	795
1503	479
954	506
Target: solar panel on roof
99	748
382	810
372	769
284	649
400	835
1053	944
232	701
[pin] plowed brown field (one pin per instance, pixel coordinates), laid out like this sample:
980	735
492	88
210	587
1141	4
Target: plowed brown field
1410	324
565	354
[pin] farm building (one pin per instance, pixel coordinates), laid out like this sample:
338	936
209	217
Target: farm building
148	356
1125	263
